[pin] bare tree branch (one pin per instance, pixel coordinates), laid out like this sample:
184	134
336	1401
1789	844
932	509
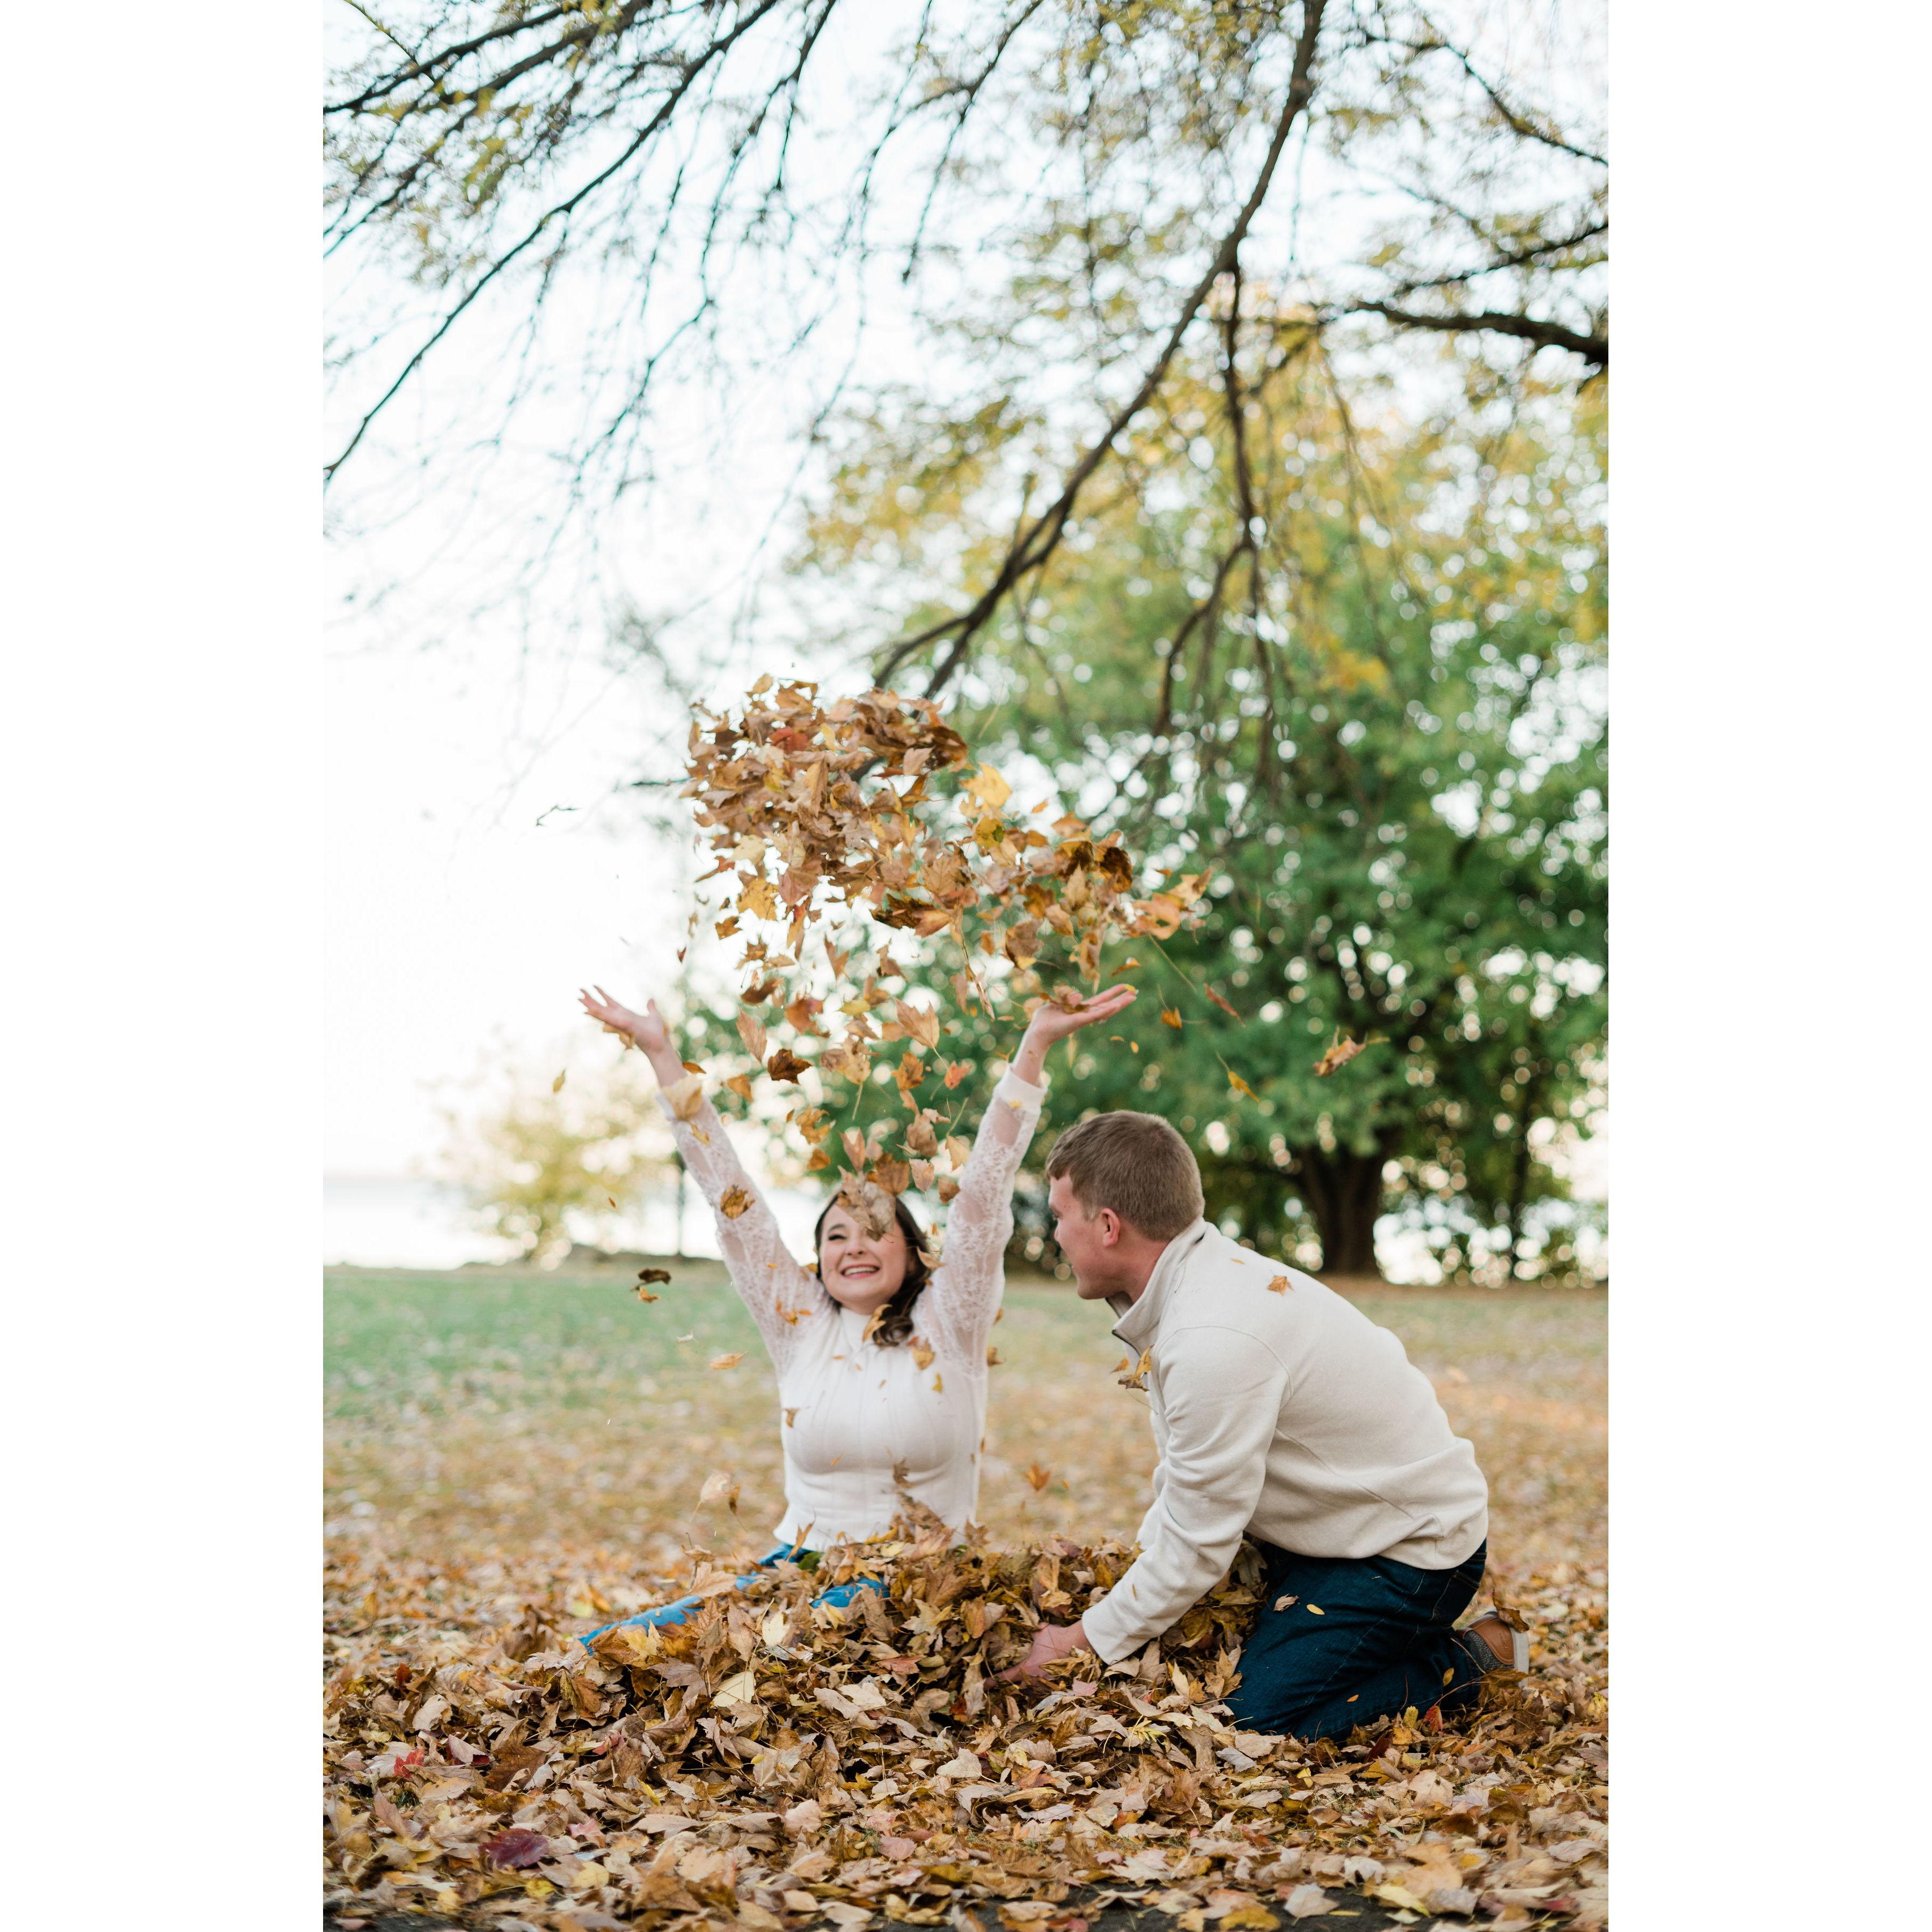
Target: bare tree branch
1037	544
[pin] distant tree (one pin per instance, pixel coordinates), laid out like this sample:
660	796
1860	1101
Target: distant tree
1356	668
538	1162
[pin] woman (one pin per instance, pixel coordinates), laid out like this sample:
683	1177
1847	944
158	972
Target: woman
881	1359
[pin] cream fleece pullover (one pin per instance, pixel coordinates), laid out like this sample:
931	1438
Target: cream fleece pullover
1284	1414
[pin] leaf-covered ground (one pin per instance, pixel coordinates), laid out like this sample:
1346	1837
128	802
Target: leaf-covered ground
515	1459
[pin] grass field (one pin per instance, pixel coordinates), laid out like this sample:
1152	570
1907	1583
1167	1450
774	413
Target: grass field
473	1414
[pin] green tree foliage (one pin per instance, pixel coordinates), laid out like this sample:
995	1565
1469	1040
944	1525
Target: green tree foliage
1355	666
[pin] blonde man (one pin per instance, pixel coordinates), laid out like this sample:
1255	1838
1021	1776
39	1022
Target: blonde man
1280	1413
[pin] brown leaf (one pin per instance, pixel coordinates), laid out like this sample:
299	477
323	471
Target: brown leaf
733	1202
730	1361
1037	1477
515	1850
1221	1003
786	1065
752	1031
686	1097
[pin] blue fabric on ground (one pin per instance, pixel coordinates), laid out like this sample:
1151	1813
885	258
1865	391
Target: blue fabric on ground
838	1596
1381	1642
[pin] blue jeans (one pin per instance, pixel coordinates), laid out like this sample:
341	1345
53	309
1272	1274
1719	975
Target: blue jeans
838	1596
1363	1640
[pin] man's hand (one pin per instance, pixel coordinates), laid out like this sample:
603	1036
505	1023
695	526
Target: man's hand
1050	1642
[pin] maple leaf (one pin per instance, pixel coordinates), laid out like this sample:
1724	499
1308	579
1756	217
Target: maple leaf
732	1202
1037	1477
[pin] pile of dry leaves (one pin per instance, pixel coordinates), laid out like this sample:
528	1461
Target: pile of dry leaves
777	1762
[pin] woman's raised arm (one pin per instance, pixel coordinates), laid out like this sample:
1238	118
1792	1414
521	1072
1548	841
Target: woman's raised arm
770	1282
964	1297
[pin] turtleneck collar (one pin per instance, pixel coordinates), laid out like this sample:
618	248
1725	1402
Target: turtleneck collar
1140	1319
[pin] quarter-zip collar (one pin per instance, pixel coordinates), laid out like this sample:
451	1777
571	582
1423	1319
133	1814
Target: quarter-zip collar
1141	1319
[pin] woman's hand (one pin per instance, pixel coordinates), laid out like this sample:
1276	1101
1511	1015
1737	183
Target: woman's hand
645	1030
1050	1023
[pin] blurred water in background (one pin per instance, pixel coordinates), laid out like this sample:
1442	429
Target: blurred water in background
399	1221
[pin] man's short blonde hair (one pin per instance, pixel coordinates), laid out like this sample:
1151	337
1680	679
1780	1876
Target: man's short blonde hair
1135	1164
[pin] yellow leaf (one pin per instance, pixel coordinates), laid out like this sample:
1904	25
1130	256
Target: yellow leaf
742	1689
1171	1016
733	1202
921	1353
686	1097
989	788
1280	1284
741	1085
730	1361
1240	1086
1037	1477
556	1085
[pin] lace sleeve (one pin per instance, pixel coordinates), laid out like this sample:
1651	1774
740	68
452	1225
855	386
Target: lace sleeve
769	1281
957	1311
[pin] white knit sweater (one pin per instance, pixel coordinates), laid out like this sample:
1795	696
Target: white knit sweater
1289	1415
850	1410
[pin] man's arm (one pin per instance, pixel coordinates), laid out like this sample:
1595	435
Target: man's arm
1221	1393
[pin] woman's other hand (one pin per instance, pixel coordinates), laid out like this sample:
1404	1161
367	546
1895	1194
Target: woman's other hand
645	1030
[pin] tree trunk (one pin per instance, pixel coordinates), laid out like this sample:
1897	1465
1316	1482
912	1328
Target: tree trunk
1344	1193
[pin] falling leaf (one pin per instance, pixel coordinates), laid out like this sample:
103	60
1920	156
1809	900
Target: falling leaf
992	1357
1137	1377
719	1483
752	1031
1280	1285
732	1202
1038	1476
1171	1016
786	1065
1341	1050
922	1354
556	1085
741	1085
1221	1003
1239	1085
730	1361
790	1416
988	787
644	1294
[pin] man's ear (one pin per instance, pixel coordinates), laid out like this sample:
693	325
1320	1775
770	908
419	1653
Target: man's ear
1110	1227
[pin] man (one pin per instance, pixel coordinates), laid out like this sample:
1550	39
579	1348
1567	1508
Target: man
1280	1412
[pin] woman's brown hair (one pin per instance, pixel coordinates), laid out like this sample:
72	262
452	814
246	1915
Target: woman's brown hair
896	1318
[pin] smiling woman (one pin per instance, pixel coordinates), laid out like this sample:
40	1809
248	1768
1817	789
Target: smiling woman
881	1357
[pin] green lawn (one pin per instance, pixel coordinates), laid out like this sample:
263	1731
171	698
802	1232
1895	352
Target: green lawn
468	1412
